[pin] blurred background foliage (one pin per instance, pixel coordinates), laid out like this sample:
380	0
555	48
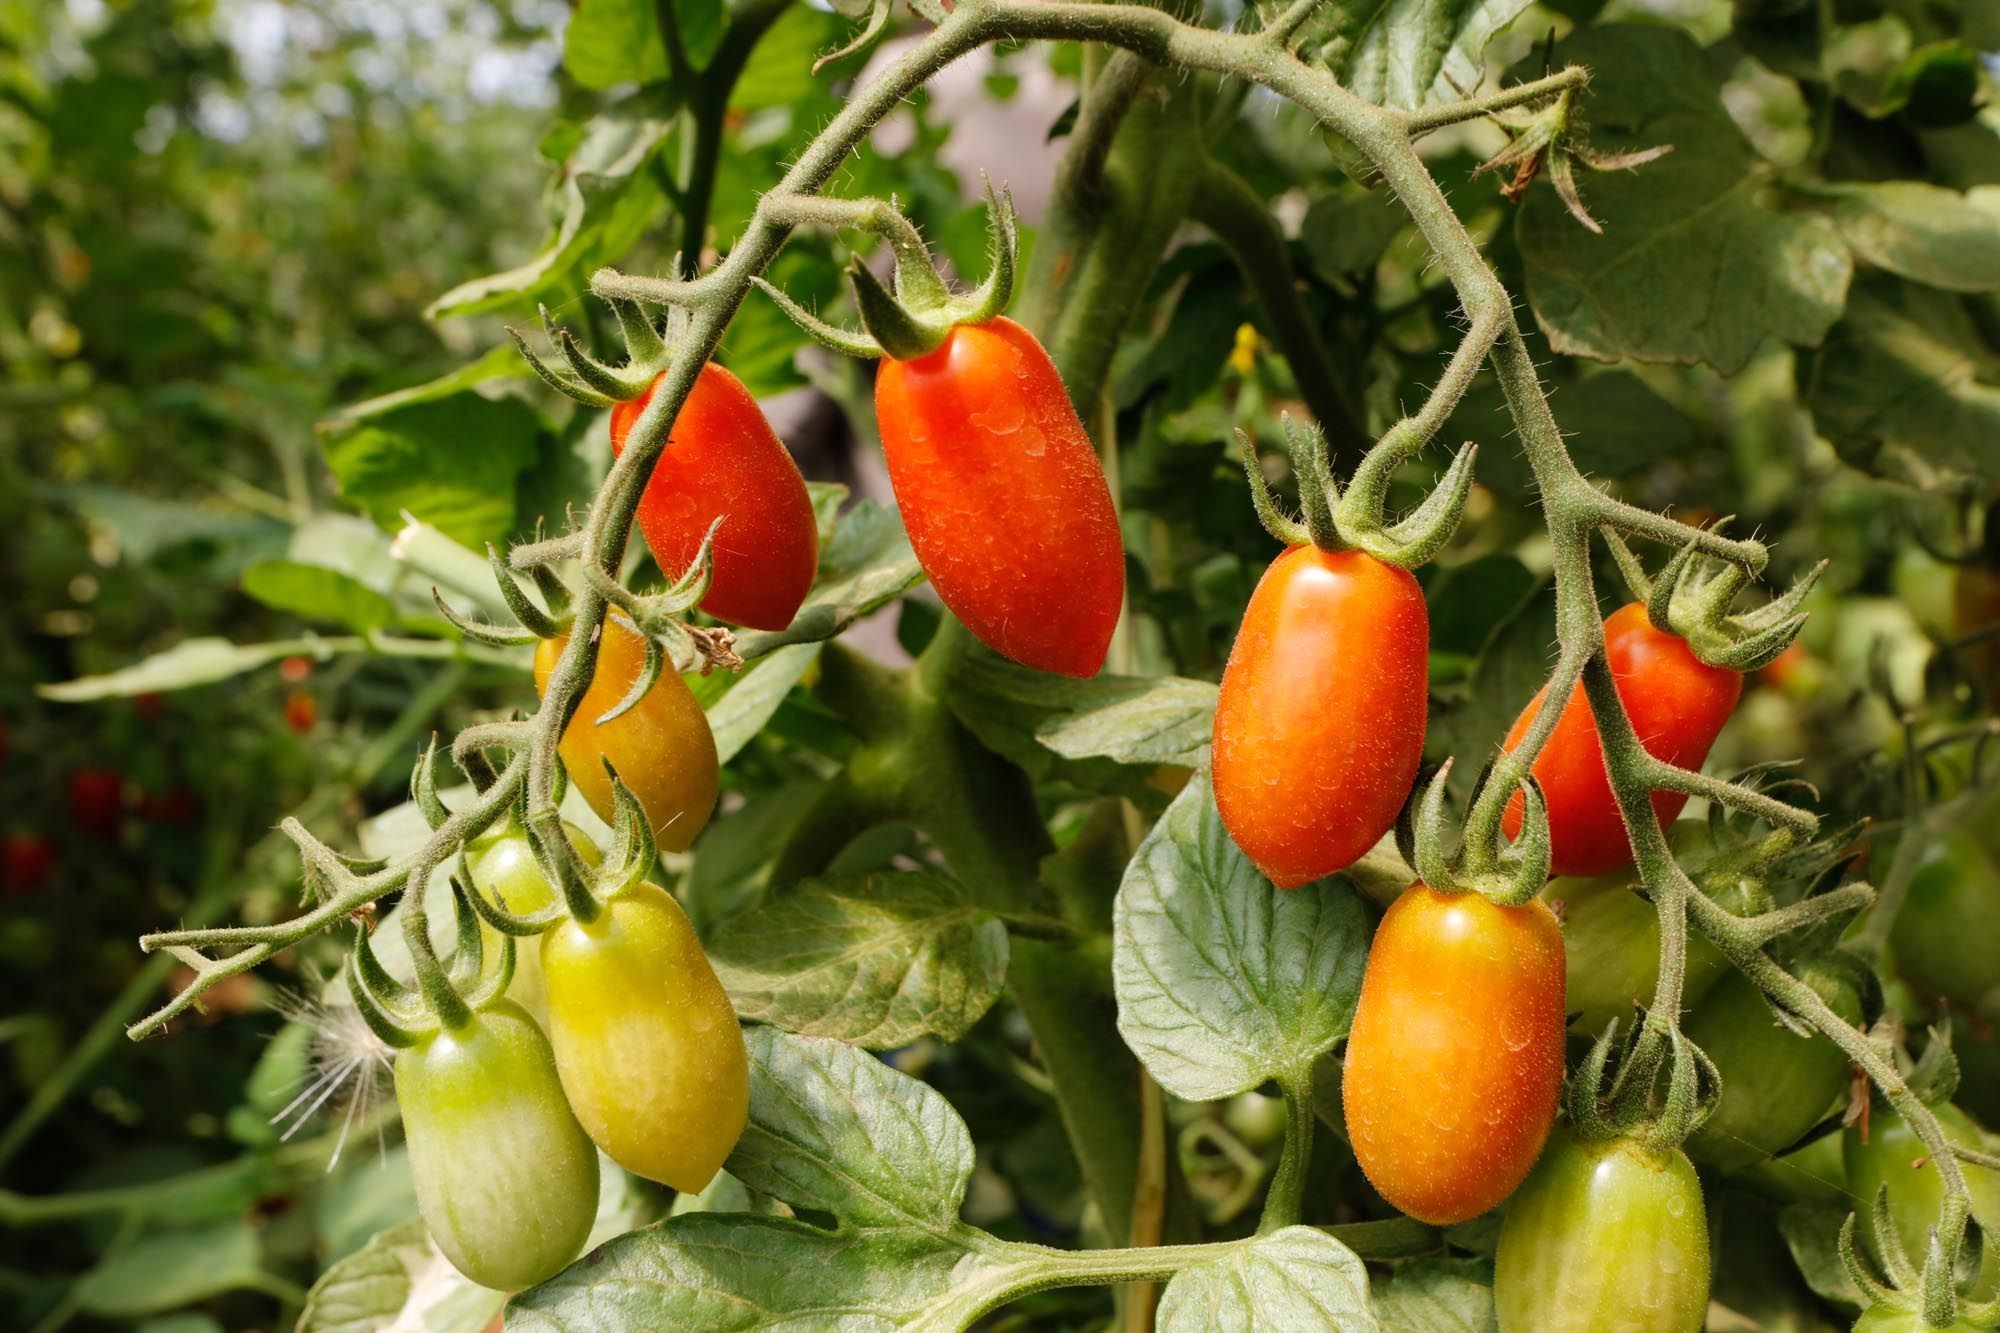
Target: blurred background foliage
256	257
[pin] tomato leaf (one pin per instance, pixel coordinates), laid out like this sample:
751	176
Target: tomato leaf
188	663
867	564
1812	1233
400	1279
1222	980
834	1129
878	960
739	706
1131	719
1293	1278
605	199
1694	263
502	362
1925	233
451	462
165	1269
317	593
1907	377
1438	1296
1410	53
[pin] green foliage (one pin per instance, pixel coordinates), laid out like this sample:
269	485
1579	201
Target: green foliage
1002	965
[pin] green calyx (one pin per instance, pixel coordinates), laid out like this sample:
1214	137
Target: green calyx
1357	519
592	382
449	991
1693	598
912	317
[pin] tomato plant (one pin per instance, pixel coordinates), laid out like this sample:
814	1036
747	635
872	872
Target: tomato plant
645	1039
1608	1234
982	879
1003	496
1456	1058
723	461
661	747
1677	704
1307	780
505	1176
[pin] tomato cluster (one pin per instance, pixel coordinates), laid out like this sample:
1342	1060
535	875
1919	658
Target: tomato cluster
1005	503
614	1036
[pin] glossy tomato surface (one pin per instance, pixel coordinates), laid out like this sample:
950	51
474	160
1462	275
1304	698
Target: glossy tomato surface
1003	497
662	747
1455	1061
1677	704
1776	1084
1891	1155
723	460
646	1039
1606	1237
1319	728
1947	933
505	1177
500	863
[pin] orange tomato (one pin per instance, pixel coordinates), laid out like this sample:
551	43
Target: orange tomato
661	747
1003	497
1455	1061
1320	724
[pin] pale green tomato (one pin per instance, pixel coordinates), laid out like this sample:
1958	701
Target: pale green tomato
506	1178
1605	1237
500	863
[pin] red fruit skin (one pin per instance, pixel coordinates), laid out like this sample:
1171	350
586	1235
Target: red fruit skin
1003	497
1319	728
1678	705
301	712
96	801
723	460
26	863
1455	1062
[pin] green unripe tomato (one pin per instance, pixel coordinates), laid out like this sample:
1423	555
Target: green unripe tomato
1605	1237
506	1178
646	1039
1894	1156
1611	952
1256	1120
1944	933
1776	1085
500	863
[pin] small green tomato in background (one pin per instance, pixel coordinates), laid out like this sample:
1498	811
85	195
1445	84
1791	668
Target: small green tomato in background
645	1037
1944	935
501	865
1605	1237
1894	1156
1776	1084
506	1178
